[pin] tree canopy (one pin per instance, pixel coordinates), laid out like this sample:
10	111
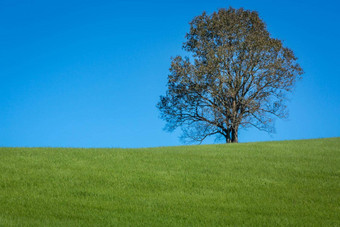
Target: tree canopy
235	76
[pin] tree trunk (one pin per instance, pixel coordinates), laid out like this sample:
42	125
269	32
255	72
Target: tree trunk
227	136
234	135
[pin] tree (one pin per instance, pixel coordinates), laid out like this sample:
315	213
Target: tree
238	76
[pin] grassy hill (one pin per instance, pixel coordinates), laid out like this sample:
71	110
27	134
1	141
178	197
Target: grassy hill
269	183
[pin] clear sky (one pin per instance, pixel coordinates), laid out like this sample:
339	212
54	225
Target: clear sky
89	73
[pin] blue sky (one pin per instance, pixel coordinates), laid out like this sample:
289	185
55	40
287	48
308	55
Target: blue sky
89	73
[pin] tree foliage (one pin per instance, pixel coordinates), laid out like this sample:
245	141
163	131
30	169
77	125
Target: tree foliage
237	76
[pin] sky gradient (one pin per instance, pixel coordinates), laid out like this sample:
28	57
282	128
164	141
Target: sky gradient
90	73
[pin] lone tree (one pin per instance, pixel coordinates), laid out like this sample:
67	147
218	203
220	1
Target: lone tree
238	76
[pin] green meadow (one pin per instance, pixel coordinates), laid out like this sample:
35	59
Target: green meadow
268	183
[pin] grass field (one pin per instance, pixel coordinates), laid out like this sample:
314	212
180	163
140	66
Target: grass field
269	183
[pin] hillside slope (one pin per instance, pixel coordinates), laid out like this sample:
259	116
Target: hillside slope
269	183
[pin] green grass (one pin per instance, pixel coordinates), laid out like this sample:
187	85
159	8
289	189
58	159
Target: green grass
270	183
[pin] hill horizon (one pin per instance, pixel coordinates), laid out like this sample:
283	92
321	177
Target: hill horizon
182	145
